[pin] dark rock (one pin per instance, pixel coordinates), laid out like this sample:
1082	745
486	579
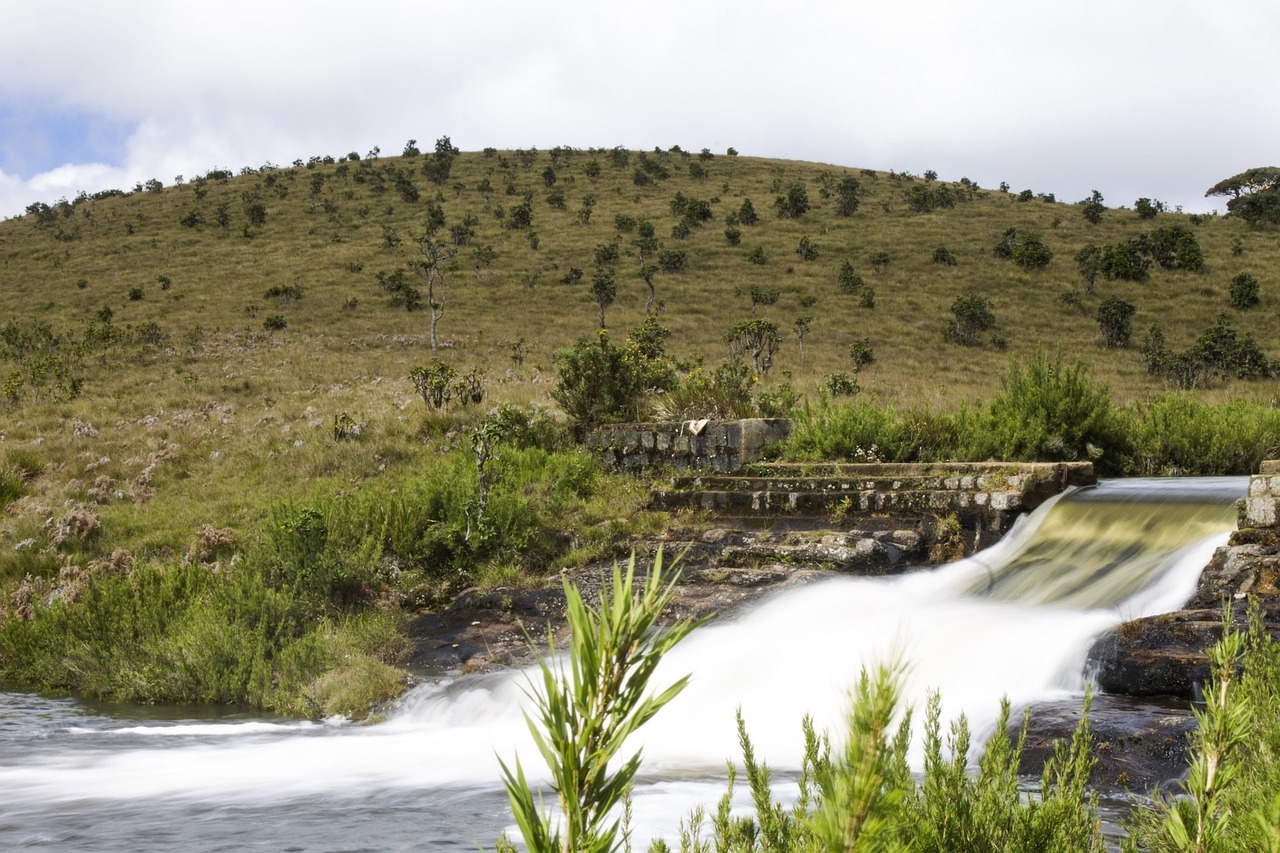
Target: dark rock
1138	744
1158	655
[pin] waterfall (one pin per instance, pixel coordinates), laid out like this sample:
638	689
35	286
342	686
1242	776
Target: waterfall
1016	620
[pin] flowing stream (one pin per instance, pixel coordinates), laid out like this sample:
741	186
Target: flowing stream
1016	620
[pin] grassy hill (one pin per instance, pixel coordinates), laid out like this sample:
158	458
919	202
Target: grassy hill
327	230
217	371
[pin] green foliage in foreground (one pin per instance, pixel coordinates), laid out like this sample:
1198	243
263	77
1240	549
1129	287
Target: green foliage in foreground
864	796
584	715
1049	411
1229	802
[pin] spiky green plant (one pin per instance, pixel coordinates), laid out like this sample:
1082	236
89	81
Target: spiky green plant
589	702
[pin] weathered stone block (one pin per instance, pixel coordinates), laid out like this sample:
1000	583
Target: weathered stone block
1260	512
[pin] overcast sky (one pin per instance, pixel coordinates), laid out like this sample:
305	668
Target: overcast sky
1156	98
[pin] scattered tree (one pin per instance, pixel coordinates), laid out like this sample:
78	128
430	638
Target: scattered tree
972	316
1147	209
1255	194
850	281
758	338
848	196
1115	317
763	296
1031	253
604	289
794	204
1089	263
431	267
802	325
1092	208
440	164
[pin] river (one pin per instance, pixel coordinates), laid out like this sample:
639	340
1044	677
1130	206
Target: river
1016	620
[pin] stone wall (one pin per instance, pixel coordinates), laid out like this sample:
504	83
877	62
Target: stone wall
1262	506
720	446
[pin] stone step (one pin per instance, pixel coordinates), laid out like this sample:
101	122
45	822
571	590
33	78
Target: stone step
832	502
856	482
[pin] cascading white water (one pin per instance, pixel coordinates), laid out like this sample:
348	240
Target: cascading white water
1015	621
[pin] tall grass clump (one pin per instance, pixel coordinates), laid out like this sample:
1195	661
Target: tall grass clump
186	634
1179	434
1049	411
861	431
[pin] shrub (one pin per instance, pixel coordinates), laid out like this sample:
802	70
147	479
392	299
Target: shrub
1031	253
792	205
672	261
944	257
1244	291
435	383
807	250
600	382
861	354
971	316
848	196
1115	317
1051	411
1147	209
850	281
1127	260
274	322
1175	247
840	384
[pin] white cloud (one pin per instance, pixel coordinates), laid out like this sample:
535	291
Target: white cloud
1147	97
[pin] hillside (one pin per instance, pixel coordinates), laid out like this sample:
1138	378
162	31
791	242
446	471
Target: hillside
319	235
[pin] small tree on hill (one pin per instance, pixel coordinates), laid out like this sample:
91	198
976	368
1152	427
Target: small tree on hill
1115	317
1244	291
848	196
794	204
971	316
431	267
802	325
1147	209
758	338
440	163
1089	263
763	296
1031	253
604	290
850	281
647	272
1092	208
1255	194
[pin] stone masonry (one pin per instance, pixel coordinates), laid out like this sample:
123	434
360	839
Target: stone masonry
720	446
